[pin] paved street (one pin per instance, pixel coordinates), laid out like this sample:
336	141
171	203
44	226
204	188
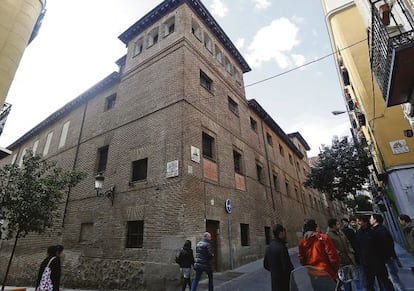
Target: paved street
252	276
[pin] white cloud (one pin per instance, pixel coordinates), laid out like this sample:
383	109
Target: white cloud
218	8
240	43
274	42
298	60
262	4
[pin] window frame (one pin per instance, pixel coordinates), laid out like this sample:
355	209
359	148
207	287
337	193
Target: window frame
244	234
102	159
233	105
260	173
135	173
110	102
208	140
238	163
206	82
137	233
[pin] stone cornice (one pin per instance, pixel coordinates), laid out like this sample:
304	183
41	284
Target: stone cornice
169	5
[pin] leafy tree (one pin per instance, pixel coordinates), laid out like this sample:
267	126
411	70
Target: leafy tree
360	203
29	197
340	170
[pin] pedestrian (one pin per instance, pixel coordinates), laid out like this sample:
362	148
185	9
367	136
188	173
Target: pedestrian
185	260
349	228
408	229
203	262
316	249
277	260
371	260
342	246
386	250
53	262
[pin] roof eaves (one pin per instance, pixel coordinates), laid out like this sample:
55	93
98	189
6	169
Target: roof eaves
86	96
274	126
301	139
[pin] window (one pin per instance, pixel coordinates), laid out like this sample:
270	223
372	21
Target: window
195	29
207	43
35	146
64	134
237	162
268	234
153	37
219	54
287	188
139	46
276	182
228	66
86	232
237	76
102	159
205	81
139	170
110	102
47	144
269	139
297	194
169	26
290	159
22	156
259	171
253	124
281	151
244	234
208	146
233	106
135	234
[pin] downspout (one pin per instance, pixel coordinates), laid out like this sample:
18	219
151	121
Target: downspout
75	162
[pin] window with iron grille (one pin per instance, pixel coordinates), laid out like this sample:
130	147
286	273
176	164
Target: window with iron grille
102	159
135	234
110	102
205	81
208	147
237	162
259	171
233	106
253	124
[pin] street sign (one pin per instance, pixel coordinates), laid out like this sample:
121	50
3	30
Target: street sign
228	206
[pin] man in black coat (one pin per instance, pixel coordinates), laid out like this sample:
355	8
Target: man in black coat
277	260
203	261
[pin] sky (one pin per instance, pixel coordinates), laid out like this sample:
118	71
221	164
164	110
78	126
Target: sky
78	44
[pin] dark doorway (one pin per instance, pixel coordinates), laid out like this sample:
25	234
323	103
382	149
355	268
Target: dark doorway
212	226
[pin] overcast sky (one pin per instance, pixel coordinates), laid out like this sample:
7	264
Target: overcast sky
78	44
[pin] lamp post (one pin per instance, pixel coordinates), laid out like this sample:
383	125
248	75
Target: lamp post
99	180
338	112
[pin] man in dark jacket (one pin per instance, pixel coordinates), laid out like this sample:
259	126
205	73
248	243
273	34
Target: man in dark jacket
204	256
277	260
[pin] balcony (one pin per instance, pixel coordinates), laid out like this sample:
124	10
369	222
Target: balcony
392	51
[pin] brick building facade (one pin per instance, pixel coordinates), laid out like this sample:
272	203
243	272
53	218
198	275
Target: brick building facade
176	136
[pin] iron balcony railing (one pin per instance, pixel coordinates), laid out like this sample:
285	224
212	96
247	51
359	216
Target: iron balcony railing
385	42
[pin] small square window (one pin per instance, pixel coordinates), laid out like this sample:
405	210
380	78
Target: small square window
244	234
110	102
205	81
139	170
135	234
253	124
237	162
208	146
233	106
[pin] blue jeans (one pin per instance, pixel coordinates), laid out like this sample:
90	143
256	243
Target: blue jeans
392	269
197	279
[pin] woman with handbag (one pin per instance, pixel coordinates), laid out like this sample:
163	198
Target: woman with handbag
48	278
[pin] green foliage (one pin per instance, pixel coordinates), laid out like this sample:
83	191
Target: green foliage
341	169
30	195
360	203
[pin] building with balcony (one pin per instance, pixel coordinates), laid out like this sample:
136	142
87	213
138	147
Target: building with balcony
372	42
176	138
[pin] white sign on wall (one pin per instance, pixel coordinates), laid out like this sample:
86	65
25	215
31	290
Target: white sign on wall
172	169
195	154
399	147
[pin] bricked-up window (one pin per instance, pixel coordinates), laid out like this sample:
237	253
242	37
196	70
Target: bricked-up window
259	172
244	234
208	147
86	232
102	159
268	234
253	124
205	81
139	170
237	162
269	139
110	102
135	234
233	106
276	182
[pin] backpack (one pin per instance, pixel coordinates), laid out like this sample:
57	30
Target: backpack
46	282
